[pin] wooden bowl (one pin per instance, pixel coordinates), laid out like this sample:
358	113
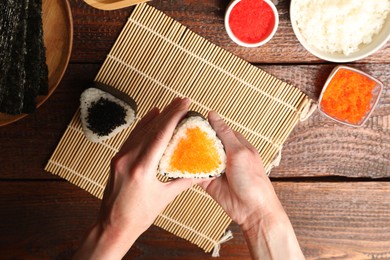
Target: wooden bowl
58	38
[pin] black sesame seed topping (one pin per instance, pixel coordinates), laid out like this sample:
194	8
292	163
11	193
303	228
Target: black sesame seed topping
104	116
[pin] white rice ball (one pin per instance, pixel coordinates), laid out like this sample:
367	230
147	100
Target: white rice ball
190	122
89	98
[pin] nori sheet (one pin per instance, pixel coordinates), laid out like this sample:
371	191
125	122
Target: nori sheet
12	102
35	63
24	73
44	77
10	11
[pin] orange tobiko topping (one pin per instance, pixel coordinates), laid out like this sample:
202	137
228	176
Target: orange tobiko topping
195	153
348	96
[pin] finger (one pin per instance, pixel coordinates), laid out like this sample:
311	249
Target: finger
146	119
167	112
245	142
177	186
206	184
139	128
224	132
164	127
213	186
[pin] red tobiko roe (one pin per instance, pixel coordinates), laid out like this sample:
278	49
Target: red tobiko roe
252	21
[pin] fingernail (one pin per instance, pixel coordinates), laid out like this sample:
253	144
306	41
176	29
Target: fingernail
176	101
214	115
186	101
154	110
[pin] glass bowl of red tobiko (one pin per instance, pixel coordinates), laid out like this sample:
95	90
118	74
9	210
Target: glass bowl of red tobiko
251	23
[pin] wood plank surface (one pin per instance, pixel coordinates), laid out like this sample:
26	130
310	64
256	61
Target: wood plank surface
317	147
95	32
334	215
47	220
321	147
27	145
339	220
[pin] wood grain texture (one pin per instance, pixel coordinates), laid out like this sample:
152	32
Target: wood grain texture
27	145
316	147
322	147
112	5
96	30
346	219
339	220
47	220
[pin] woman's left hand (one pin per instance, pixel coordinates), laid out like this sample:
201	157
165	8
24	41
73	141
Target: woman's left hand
134	197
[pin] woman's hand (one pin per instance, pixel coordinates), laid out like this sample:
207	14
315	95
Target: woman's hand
247	195
134	197
245	190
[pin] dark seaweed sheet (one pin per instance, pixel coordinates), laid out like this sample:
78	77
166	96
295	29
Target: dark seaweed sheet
24	73
12	102
9	24
35	63
44	75
32	59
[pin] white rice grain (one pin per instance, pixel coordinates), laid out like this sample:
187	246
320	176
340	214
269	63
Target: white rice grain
340	26
180	133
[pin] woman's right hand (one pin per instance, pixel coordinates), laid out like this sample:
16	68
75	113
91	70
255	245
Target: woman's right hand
248	197
245	190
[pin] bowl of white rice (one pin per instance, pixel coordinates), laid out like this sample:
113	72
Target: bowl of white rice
341	30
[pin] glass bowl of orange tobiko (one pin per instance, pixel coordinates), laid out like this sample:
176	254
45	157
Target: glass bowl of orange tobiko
349	96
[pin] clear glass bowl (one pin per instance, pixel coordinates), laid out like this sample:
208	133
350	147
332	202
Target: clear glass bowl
373	103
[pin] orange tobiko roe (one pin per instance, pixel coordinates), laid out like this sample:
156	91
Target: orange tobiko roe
348	96
195	153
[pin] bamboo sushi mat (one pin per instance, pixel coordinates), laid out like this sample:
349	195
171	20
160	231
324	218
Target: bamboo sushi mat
156	59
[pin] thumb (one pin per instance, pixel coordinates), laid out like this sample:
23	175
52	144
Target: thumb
224	132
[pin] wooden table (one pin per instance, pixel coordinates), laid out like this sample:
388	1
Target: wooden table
333	180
